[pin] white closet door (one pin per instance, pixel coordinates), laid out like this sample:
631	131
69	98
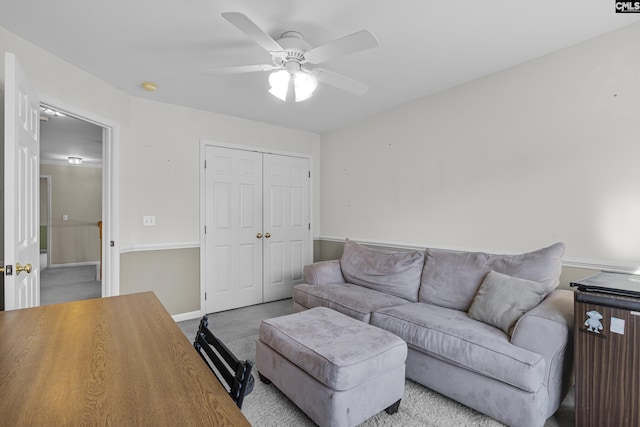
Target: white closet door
287	234
233	240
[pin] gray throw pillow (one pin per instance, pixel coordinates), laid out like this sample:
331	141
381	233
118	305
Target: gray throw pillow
394	273
502	300
451	279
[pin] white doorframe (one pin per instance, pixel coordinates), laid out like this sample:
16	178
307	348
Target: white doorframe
48	179
110	192
203	144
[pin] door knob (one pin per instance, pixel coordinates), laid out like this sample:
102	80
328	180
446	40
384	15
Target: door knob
259	235
267	235
19	268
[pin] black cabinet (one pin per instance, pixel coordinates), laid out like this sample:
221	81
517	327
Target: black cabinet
607	350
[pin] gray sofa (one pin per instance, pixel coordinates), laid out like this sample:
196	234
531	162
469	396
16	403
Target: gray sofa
489	331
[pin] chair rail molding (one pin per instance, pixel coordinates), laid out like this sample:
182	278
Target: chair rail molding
591	264
144	247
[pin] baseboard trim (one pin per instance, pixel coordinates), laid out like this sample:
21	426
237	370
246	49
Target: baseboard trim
589	264
186	316
74	264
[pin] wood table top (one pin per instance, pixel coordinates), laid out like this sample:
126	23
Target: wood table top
115	361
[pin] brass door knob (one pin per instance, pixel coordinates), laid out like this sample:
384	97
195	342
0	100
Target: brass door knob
267	235
259	235
20	268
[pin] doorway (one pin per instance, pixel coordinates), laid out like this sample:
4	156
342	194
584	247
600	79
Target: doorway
70	207
77	152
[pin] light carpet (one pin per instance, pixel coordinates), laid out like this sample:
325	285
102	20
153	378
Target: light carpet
267	406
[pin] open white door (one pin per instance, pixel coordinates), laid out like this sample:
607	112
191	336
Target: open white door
21	168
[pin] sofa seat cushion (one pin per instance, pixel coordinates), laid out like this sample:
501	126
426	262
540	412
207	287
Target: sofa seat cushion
450	335
353	300
336	350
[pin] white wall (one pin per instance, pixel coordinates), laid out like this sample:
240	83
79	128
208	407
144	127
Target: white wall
64	85
163	165
547	151
543	152
158	160
56	79
159	143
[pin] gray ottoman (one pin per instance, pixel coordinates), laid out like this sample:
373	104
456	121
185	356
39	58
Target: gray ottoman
338	370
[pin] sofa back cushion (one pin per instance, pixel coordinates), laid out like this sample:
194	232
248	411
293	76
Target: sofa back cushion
452	279
394	273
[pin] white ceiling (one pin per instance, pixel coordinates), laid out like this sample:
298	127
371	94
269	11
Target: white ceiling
426	46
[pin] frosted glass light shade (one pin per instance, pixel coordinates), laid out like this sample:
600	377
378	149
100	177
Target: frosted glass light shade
304	83
279	82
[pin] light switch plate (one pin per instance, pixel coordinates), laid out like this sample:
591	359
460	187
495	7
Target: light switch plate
149	221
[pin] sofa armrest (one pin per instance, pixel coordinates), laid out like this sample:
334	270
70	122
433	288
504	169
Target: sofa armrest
323	273
547	329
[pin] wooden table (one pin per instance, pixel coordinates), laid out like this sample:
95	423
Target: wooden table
117	361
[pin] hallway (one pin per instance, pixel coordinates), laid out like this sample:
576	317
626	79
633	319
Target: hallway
69	284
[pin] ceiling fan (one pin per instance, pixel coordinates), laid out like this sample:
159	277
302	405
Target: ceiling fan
292	56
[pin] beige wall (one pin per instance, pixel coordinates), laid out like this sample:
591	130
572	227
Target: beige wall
76	191
543	152
169	273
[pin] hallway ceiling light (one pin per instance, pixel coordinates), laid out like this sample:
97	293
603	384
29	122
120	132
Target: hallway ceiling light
75	160
51	112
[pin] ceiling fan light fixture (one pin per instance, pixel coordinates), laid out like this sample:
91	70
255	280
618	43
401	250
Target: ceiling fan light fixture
304	84
279	81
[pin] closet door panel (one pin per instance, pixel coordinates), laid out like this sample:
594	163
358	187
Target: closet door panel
288	246
233	221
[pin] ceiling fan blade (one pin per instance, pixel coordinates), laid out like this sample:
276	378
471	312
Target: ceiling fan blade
352	43
341	82
239	69
247	26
